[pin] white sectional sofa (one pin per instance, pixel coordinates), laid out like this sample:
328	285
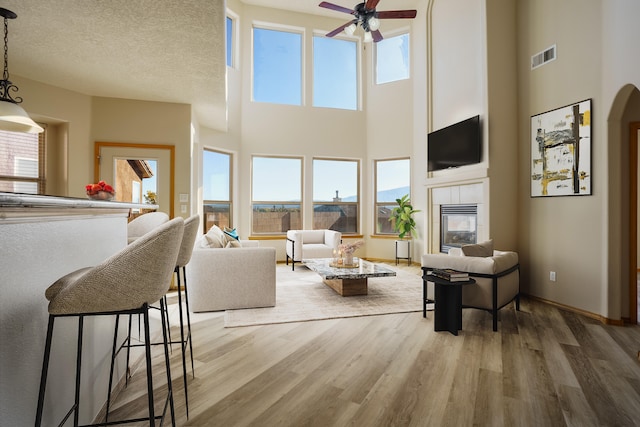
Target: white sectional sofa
222	278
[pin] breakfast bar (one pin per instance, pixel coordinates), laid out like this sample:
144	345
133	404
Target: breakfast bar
41	239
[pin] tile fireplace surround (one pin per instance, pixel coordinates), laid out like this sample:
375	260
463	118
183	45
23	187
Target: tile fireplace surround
463	194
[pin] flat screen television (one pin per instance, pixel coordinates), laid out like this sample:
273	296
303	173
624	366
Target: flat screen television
456	145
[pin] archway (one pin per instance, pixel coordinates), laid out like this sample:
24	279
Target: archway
622	206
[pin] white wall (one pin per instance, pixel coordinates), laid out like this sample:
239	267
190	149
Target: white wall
71	111
458	89
390	126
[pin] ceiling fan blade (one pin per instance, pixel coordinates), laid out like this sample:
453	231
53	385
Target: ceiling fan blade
396	14
371	4
377	36
335	7
341	28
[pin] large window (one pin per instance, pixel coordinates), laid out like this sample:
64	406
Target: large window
277	66
335	195
22	162
392	59
218	207
335	73
276	194
392	181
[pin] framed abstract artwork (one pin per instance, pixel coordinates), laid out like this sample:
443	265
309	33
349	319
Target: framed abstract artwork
561	151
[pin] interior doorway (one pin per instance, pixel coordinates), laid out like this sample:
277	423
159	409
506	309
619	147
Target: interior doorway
634	219
145	171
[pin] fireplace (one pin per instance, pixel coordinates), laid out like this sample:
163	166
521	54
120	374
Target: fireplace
458	226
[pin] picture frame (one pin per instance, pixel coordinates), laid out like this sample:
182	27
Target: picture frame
561	151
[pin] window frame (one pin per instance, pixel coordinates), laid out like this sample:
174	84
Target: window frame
301	31
211	202
357	203
235	34
40	180
377	205
276	202
397	33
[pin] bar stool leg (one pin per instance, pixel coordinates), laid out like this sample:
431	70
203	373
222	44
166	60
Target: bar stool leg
165	312
186	301
113	359
78	370
168	371
45	371
182	344
127	373
147	353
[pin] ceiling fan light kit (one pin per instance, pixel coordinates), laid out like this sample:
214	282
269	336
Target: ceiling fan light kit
374	23
367	17
350	29
12	117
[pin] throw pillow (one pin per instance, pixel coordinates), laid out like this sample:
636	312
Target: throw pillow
226	239
215	237
231	232
484	249
234	244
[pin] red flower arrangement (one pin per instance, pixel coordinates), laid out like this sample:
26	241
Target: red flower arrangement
100	191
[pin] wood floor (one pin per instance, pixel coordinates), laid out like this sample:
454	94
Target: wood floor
544	367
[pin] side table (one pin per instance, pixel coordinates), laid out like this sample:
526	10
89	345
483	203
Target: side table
448	302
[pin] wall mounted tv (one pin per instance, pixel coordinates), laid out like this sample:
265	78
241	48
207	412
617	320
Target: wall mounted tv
456	145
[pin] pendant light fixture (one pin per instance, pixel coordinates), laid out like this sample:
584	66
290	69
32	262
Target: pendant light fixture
12	117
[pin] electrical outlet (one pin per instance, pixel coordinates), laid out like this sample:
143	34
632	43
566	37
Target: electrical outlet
552	276
183	208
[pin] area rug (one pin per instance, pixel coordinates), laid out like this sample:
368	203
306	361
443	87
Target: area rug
301	296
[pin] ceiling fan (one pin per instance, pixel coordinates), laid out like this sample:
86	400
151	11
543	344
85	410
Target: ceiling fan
366	15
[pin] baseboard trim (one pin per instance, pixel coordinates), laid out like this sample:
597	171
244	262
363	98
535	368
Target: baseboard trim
391	261
598	317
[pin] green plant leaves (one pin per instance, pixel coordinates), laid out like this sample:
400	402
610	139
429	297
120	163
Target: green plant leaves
403	216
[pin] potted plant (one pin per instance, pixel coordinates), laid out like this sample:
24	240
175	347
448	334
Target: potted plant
403	223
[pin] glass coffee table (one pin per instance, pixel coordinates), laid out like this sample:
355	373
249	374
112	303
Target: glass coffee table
347	281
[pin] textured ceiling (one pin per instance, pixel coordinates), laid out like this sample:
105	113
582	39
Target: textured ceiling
169	51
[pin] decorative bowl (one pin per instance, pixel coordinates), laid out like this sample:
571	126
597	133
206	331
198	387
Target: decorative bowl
101	195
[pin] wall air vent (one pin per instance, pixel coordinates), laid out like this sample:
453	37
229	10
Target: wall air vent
541	58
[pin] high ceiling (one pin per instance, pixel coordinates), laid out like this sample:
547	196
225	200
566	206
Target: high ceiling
167	51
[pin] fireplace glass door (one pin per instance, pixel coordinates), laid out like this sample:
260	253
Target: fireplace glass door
458	226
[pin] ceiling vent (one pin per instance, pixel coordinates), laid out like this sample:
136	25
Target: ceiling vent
547	55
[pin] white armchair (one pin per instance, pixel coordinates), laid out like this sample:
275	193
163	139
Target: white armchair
303	244
497	275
